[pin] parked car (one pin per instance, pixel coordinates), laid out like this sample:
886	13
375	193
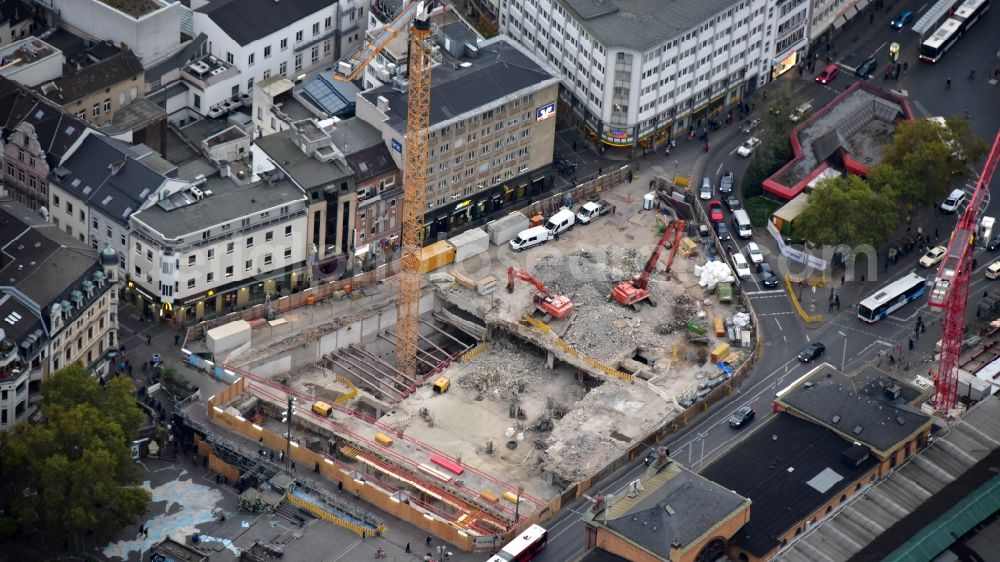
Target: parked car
715	210
993	270
865	69
767	275
741	266
742	417
732	202
800	112
902	20
994	243
756	256
828	74
727	181
750	126
812	352
953	202
707	190
747	148
933	256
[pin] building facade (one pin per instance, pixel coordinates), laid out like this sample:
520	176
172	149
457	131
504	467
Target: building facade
217	246
95	92
636	85
491	134
790	38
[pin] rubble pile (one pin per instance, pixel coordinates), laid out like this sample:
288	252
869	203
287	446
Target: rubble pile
683	308
503	374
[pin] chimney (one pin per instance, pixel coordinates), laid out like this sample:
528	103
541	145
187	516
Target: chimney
124	48
382	103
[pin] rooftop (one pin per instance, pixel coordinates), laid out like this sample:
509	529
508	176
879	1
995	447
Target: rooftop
501	69
640	25
55	129
330	96
858	407
93	78
306	170
24	52
674	505
227	202
134	8
371	162
268	16
788	467
226	135
134	116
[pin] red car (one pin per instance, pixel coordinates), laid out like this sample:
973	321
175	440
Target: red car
715	210
829	73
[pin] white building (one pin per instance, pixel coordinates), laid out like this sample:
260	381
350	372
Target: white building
31	62
264	38
152	29
639	70
217	246
790	39
830	15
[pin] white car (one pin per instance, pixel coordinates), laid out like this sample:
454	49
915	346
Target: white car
747	148
741	266
933	256
799	112
753	250
993	270
953	202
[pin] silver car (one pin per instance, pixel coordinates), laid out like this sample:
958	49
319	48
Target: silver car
706	188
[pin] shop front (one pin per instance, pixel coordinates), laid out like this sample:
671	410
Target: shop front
485	206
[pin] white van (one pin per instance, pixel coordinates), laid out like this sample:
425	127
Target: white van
741	224
530	237
560	222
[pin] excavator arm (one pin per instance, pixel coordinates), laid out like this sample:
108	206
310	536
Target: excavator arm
676	229
514	273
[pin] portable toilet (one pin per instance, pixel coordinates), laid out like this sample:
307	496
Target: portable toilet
985	231
648	201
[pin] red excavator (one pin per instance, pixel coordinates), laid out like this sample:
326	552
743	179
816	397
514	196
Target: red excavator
635	290
557	306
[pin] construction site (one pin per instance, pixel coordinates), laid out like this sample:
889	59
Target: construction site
536	371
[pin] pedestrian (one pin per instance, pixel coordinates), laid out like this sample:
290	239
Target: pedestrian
830	308
407	548
975	263
293	466
911	343
363	535
574	145
340	486
149	339
177	339
145	532
428	541
272	456
936	235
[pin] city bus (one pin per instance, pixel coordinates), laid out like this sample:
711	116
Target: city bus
963	18
526	546
891	297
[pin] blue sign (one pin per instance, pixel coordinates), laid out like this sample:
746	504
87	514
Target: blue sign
546	111
397	146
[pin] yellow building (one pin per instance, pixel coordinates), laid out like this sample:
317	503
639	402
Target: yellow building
95	92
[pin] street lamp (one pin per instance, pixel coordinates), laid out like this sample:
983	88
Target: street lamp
843	359
517	506
288	419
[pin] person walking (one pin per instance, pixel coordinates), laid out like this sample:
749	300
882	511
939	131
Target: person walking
408	548
149	339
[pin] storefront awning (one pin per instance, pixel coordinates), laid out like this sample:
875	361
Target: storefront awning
861	5
839	22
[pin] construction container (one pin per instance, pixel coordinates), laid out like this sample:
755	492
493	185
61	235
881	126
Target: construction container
510	496
725	292
322	408
441	385
503	229
489	496
720	326
228	336
470	243
719	352
383	439
438	254
688	247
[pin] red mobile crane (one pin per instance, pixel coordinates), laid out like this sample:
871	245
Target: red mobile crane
558	306
635	290
951	288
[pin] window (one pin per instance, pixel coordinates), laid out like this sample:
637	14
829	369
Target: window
284	44
138	248
149	255
134	93
138	271
249	265
298	62
96	110
288	253
315	53
267	74
230	247
267	52
267	259
211	253
250	59
268	236
283	68
192	260
107	104
210	277
298	36
110	234
316	28
95	224
288	231
190	283
55	200
229	271
250	84
230	58
250	242
328	23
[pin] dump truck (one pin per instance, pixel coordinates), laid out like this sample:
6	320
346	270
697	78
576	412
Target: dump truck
593	209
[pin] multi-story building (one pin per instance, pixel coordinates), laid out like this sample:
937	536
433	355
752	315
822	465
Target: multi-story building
790	39
58	305
264	38
37	135
16	21
95	92
391	60
827	16
217	246
311	154
380	204
31	61
95	191
636	73
491	133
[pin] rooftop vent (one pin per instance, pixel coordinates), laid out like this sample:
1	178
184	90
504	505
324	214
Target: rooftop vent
835	419
900	420
858	429
808	384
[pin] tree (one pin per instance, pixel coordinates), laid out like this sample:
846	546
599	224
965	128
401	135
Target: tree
970	147
73	472
921	154
846	210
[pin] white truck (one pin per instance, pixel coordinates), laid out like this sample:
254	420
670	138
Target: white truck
593	209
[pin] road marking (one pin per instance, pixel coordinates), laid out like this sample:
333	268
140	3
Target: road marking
349	549
719	169
770	293
877	49
778	323
769	314
922	8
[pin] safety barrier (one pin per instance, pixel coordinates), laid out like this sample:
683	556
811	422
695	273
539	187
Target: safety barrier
351	393
610	371
327	516
809	318
481	348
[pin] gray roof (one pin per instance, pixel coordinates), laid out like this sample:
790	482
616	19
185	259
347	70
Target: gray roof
305	170
55	129
191	51
105	173
857	402
96	77
246	21
640	25
133	116
353	135
228	202
39	259
371	162
788	467
681	509
25	321
501	69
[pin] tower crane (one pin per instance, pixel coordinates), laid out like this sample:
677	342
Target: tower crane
416	16
557	306
951	287
635	290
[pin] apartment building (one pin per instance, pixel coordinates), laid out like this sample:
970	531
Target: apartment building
827	16
264	38
638	73
36	136
491	133
391	61
58	305
95	92
217	246
790	42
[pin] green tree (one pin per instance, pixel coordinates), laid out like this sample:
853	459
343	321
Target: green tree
920	153
73	473
846	210
970	147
